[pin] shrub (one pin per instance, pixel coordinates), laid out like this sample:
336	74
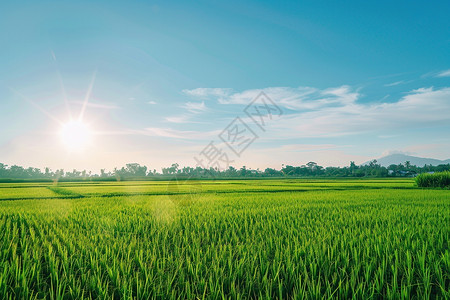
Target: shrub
438	179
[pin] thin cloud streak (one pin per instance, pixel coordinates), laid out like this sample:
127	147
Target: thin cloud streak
195	107
163	132
445	73
395	83
97	105
300	98
208	92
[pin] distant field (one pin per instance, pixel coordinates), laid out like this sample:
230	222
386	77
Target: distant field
295	238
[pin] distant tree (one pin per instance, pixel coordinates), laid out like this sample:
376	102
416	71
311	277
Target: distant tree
373	169
311	165
271	172
48	173
373	163
231	172
187	170
3	170
287	170
135	169
407	165
243	172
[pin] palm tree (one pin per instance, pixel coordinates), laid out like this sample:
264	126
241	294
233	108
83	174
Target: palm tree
407	164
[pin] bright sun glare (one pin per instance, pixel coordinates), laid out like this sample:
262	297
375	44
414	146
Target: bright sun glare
75	135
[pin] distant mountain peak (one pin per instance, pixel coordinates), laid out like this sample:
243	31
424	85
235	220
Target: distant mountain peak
399	158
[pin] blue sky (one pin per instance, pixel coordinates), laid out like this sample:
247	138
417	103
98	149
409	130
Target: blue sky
355	80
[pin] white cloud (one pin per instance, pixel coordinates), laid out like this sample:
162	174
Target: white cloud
306	147
284	96
395	83
421	90
337	112
445	73
208	92
97	105
195	107
152	102
421	106
179	134
391	152
300	98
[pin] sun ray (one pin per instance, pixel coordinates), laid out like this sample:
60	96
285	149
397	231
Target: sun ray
61	83
37	106
88	95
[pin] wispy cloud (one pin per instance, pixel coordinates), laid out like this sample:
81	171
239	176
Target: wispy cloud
300	98
307	147
152	102
335	112
418	108
179	134
163	132
445	73
97	105
195	107
396	83
332	112
391	152
184	119
208	92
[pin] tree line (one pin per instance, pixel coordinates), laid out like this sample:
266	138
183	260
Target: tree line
135	170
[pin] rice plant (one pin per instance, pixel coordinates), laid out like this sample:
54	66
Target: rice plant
272	239
438	179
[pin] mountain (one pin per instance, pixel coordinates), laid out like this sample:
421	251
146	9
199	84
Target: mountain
396	159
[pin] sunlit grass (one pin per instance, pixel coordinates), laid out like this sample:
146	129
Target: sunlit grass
438	179
321	242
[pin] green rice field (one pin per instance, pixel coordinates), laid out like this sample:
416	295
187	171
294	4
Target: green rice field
231	239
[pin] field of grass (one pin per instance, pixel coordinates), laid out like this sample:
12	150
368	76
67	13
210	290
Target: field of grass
302	239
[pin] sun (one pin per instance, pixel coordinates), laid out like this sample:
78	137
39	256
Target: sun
76	136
